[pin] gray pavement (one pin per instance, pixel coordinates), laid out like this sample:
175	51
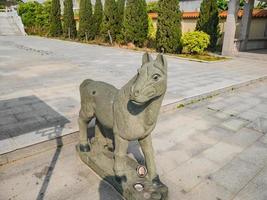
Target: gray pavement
39	81
212	150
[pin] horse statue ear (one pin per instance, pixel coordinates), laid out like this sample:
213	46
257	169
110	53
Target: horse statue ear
162	61
146	58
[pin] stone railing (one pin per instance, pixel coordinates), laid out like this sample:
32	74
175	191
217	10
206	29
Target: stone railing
16	19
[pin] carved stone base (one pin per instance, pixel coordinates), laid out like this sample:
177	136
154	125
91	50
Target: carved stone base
102	164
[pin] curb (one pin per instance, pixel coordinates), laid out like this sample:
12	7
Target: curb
38	148
193	99
58	142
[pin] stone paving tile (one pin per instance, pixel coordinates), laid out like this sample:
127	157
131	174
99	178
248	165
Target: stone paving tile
255	154
222	153
243	138
250	115
191	173
256	189
219	133
208	190
235	175
235	124
259	124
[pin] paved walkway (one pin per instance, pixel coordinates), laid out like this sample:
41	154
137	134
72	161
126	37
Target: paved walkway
212	150
39	81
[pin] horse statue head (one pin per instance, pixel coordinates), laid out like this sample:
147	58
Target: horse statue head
151	80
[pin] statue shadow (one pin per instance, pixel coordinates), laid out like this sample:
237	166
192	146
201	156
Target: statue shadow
109	188
35	117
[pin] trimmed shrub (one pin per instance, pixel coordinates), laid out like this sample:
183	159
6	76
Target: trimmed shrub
208	21
35	16
169	27
86	26
69	24
195	42
55	29
135	22
98	16
110	20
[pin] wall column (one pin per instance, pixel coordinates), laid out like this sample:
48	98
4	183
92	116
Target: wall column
229	48
245	25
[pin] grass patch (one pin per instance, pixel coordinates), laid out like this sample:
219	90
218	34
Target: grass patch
204	57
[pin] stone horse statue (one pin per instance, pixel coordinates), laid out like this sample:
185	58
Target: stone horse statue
131	112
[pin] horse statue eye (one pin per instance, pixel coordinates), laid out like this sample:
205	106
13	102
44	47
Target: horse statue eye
156	77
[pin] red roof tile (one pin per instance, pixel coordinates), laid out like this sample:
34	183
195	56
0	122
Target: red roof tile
257	13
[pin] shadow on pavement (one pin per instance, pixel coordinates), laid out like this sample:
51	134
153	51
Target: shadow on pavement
30	114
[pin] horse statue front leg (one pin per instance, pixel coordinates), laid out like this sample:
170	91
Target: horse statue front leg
121	147
148	151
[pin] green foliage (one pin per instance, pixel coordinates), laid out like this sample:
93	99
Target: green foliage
195	42
28	11
261	5
152	6
110	20
98	16
135	22
121	8
86	26
69	24
151	35
208	21
169	26
35	16
151	29
222	4
55	29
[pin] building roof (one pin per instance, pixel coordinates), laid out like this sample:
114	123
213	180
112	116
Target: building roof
257	13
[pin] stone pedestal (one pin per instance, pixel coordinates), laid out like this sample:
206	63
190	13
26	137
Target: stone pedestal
102	163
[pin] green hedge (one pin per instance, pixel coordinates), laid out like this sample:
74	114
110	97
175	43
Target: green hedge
195	42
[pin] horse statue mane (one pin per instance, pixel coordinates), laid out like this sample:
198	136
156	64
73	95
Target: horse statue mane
126	114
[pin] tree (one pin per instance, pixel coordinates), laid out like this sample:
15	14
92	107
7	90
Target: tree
135	22
69	24
152	6
98	16
208	21
86	26
120	7
168	36
110	20
55	28
222	4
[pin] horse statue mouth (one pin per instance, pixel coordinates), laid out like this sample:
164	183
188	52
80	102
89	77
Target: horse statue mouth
137	102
